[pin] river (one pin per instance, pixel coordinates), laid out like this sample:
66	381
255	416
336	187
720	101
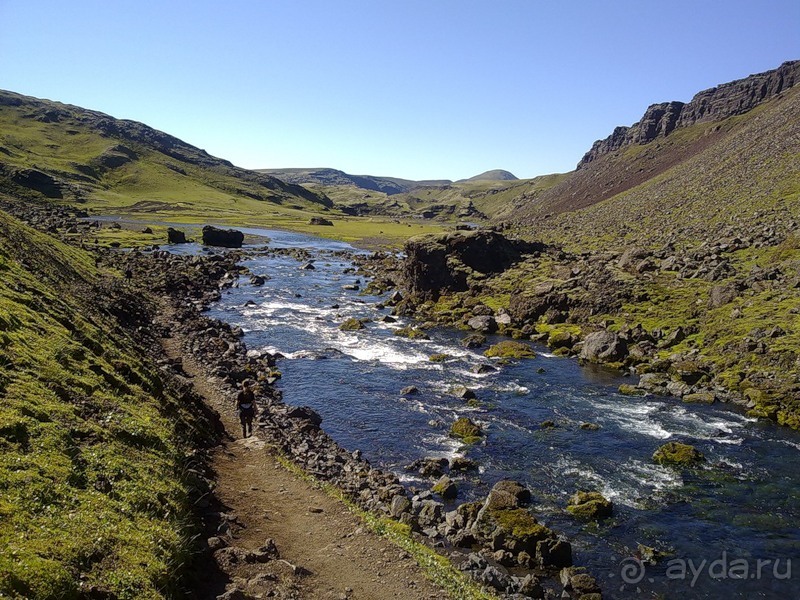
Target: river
730	529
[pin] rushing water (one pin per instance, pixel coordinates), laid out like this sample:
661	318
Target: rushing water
739	514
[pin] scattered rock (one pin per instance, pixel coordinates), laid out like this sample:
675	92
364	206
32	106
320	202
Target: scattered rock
592	506
678	454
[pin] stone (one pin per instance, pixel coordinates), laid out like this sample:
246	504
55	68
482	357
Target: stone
463	392
399	505
445	487
226	238
592	506
320	221
603	346
351	324
465	429
678	454
410	390
483	323
175	236
474	340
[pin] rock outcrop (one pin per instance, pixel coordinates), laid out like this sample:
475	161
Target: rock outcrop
439	263
715	104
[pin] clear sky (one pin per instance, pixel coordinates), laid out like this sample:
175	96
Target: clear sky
414	88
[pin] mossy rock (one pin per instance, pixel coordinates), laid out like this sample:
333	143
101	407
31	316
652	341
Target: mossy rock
510	349
411	333
626	389
560	339
700	398
438	358
351	324
445	488
592	506
562	352
520	523
475	340
590	426
465	429
678	454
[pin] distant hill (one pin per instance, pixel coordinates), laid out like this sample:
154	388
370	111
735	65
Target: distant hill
494	175
326	176
64	152
387	185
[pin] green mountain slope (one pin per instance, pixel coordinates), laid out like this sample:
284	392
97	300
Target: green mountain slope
63	152
93	443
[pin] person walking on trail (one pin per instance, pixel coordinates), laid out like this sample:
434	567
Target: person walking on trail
246	407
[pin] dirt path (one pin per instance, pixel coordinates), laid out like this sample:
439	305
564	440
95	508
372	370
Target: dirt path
323	550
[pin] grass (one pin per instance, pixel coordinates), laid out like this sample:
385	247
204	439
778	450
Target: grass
437	568
91	464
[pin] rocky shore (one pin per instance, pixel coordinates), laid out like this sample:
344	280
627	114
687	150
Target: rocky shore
498	541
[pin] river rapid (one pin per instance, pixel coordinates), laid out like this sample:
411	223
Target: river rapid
729	529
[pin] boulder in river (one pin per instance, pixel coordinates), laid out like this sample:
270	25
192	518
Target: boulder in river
678	454
225	238
591	506
175	236
465	429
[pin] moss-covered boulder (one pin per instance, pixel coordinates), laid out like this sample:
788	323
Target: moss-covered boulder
465	429
474	340
411	333
678	454
438	358
592	506
510	349
560	339
700	398
626	389
352	324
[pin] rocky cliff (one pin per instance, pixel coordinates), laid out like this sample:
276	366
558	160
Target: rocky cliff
715	104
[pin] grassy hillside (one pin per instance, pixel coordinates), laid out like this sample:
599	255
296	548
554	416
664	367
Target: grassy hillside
67	154
93	448
471	200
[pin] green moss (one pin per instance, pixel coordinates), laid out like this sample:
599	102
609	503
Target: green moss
438	358
510	349
411	333
678	454
465	429
351	324
626	389
591	506
520	523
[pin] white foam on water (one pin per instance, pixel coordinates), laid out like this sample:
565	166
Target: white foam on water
513	387
792	444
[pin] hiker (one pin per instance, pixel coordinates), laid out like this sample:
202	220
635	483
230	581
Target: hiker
246	407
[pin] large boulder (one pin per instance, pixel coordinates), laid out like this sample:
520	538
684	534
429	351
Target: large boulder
678	455
443	263
225	238
603	346
591	506
175	236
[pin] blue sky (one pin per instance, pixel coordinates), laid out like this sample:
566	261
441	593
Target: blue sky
414	89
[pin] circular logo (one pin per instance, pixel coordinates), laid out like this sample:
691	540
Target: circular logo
632	570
